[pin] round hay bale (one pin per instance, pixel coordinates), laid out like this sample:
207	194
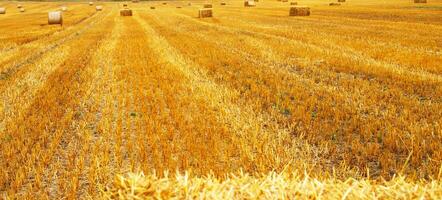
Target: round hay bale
299	11
2	11
126	12
205	12
178	7
284	1
91	3
135	1
249	3
124	5
152	7
64	8
223	3
420	1
98	8
341	1
164	3
22	9
55	17
293	3
189	4
19	6
207	5
334	4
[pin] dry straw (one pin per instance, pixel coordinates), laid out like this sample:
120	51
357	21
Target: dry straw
126	12
2	10
55	17
267	186
299	11
205	12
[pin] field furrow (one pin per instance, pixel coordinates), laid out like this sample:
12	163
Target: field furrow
251	103
42	133
306	90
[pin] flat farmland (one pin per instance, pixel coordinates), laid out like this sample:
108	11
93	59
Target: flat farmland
189	107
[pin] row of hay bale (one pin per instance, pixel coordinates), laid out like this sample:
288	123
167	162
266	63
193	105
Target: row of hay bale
207	11
19	6
295	10
63	8
56	17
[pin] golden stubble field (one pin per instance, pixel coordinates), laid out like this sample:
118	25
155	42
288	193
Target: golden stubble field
251	100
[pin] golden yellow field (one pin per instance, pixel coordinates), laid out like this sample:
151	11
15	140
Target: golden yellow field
254	104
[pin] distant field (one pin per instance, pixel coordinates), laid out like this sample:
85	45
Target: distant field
352	91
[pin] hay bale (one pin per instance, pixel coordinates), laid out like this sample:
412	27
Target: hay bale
164	3
135	1
55	17
205	12
152	7
126	12
22	9
19	6
293	3
299	11
207	5
91	3
420	1
64	8
98	8
189	4
334	4
2	11
249	3
124	5
178	7
341	1
223	4
284	1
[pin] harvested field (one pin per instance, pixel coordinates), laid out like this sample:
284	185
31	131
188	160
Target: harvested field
343	103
